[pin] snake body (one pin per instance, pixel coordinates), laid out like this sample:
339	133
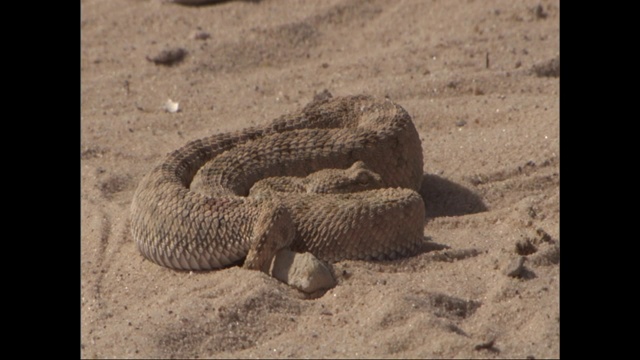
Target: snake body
177	227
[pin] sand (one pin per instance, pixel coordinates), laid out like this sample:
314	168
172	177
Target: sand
481	82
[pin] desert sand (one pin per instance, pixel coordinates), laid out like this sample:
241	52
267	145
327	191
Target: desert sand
481	82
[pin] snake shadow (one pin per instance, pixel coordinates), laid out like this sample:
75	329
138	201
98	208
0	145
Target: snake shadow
445	198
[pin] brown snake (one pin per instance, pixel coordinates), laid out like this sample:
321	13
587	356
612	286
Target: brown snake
183	229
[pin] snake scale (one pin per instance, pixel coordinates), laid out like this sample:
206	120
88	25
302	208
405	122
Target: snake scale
180	228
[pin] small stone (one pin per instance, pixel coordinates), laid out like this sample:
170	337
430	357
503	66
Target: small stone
547	257
525	247
302	271
550	68
169	57
539	12
487	345
200	35
515	268
171	106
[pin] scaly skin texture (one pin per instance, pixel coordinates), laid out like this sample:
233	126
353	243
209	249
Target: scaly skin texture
184	229
329	181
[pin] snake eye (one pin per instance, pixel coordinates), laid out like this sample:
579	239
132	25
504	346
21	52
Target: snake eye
363	178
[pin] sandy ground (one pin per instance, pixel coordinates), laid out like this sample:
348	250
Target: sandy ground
477	77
